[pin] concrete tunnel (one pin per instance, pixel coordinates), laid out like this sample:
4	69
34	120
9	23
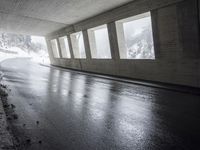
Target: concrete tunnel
123	75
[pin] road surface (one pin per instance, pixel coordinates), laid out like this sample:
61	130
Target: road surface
67	110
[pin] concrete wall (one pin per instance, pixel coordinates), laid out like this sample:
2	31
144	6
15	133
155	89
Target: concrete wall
176	38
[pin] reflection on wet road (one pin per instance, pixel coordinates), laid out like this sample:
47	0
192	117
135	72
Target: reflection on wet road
80	112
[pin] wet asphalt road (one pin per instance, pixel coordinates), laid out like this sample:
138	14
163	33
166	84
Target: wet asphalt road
80	112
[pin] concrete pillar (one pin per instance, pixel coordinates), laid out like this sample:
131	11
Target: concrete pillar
155	30
87	45
188	25
92	43
121	40
70	47
75	46
59	47
199	11
113	41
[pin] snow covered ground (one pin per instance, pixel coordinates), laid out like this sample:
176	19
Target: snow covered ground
15	52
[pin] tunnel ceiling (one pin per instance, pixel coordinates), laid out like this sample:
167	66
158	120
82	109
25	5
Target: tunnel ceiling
40	17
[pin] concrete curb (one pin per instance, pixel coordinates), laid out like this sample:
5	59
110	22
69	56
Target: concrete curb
6	140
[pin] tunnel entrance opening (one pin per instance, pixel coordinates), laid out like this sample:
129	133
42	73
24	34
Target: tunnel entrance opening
23	46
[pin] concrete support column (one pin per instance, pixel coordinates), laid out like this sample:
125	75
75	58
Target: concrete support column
92	43
199	11
70	47
59	47
188	25
121	41
75	46
155	30
87	45
112	33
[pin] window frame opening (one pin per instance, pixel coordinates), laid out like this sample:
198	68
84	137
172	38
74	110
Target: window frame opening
64	47
78	47
99	47
127	52
55	50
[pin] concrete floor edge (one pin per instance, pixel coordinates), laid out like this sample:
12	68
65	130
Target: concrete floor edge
154	84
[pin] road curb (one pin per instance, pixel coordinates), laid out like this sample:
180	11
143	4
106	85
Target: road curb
6	140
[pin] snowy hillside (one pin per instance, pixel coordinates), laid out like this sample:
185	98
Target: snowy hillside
12	46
